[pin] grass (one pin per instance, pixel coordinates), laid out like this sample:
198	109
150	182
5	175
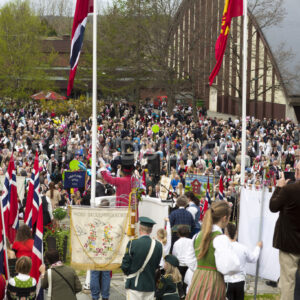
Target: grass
263	297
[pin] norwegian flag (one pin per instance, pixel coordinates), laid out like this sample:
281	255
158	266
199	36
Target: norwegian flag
10	202
37	253
208	199
221	189
83	7
33	196
3	260
203	207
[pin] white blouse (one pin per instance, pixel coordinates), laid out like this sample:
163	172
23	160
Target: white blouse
227	262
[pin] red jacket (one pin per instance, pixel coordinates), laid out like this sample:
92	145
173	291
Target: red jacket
23	248
123	187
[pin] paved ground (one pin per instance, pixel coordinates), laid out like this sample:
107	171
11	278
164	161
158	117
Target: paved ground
117	291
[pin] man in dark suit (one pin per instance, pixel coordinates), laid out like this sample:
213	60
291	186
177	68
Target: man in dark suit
286	201
141	259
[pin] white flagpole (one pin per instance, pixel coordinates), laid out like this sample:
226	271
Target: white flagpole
94	119
244	93
4	238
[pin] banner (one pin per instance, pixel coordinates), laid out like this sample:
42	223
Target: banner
98	237
74	179
250	207
199	182
165	185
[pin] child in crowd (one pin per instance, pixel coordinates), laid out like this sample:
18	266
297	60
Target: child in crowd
183	249
235	283
167	286
165	237
22	286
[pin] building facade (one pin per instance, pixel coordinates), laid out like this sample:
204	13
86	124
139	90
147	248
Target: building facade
192	45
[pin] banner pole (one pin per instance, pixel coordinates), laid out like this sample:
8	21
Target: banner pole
244	93
260	232
94	115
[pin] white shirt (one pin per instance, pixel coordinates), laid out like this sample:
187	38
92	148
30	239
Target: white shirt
184	250
193	210
245	256
227	262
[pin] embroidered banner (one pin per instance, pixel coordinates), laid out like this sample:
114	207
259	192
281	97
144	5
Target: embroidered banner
98	237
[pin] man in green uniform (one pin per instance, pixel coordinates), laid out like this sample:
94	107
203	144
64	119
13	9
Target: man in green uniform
141	259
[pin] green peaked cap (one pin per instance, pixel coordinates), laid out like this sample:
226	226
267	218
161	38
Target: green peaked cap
145	221
172	260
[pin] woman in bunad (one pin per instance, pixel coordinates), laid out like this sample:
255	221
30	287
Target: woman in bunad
214	256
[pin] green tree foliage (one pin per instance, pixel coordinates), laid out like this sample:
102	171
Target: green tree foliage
22	63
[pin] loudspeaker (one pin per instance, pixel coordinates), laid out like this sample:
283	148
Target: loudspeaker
153	163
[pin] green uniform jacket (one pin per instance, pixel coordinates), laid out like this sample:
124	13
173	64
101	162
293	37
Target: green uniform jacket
135	255
167	286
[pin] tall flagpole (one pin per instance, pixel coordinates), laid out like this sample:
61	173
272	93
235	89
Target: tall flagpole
244	92
94	119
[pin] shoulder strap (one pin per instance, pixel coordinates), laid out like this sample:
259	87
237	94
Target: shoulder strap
137	273
63	277
49	273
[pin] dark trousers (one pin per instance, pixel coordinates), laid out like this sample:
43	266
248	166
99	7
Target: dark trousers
235	291
182	271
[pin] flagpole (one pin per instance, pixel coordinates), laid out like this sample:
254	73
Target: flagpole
4	240
244	93
94	118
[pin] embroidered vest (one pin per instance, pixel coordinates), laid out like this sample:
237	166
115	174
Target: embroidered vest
208	261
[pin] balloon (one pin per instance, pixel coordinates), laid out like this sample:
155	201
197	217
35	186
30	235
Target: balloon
155	128
74	165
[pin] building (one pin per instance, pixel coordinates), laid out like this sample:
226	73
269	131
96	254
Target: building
195	31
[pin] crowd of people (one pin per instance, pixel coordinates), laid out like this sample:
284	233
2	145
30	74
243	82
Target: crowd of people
196	254
184	144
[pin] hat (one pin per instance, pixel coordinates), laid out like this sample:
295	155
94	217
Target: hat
145	221
172	260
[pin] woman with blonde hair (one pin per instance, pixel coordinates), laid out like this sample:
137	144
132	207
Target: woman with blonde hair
214	255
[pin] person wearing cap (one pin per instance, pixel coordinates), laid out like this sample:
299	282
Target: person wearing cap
141	260
123	184
167	286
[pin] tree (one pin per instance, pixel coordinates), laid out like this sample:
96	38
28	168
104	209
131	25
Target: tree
22	62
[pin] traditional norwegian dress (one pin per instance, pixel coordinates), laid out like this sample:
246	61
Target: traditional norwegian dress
208	281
